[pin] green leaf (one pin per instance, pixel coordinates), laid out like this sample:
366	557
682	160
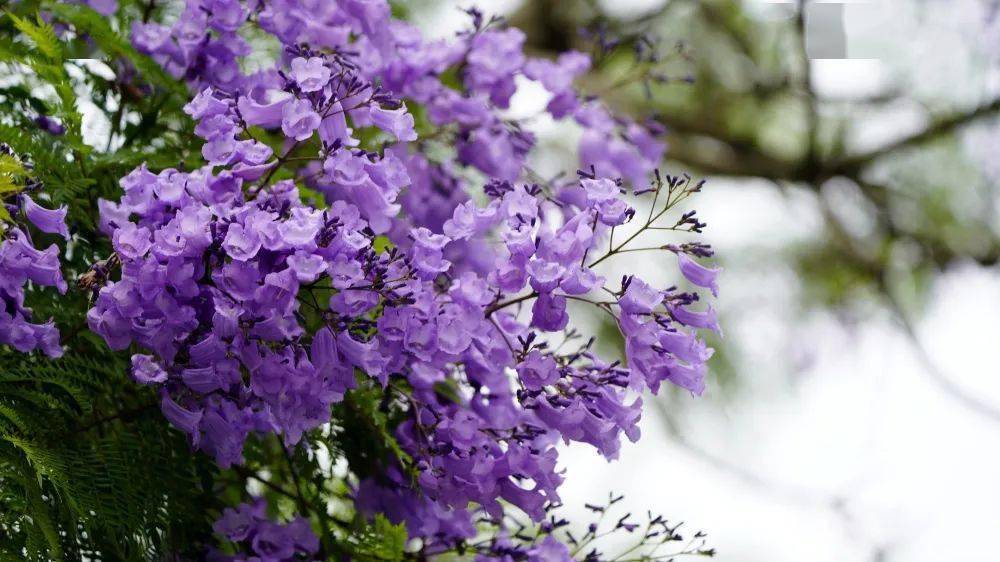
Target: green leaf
61	176
91	457
7	186
97	28
381	541
382	243
47	62
448	389
41	35
41	515
8	50
9	166
380	422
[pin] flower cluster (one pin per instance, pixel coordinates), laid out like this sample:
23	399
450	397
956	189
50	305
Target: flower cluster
257	309
21	262
501	433
248	526
209	285
204	47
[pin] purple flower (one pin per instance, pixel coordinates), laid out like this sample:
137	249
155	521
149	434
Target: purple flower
253	152
549	313
217	127
310	74
299	120
103	7
181	418
549	550
495	57
454	335
52	221
219	151
50	125
581	281
690	377
269	541
206	105
698	274
545	275
44	270
241	244
640	298
537	370
427	239
492	152
152	37
25	337
396	121
237	524
628	151
264	114
225	15
257	307
706	319
302	535
685	346
112	216
557	77
599	190
613	212
307	267
146	371
132	242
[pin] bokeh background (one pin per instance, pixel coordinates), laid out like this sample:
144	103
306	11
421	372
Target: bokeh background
852	151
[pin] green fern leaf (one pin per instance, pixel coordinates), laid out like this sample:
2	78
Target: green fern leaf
41	35
382	541
87	20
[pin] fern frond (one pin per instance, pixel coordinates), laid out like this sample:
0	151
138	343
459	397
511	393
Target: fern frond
97	28
117	483
47	62
9	166
62	178
8	52
41	36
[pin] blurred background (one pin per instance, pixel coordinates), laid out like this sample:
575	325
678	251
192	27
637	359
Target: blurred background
852	151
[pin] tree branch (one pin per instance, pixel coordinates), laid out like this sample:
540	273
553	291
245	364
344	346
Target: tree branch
852	165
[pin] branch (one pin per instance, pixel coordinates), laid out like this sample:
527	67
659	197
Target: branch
878	272
495	307
854	164
246	473
123	415
720	155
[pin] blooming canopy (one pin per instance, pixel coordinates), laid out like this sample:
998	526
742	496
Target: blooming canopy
366	217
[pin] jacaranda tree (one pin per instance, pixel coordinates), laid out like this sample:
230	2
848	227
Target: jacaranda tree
306	297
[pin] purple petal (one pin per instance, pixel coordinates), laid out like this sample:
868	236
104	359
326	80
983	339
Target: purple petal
182	419
52	221
698	274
